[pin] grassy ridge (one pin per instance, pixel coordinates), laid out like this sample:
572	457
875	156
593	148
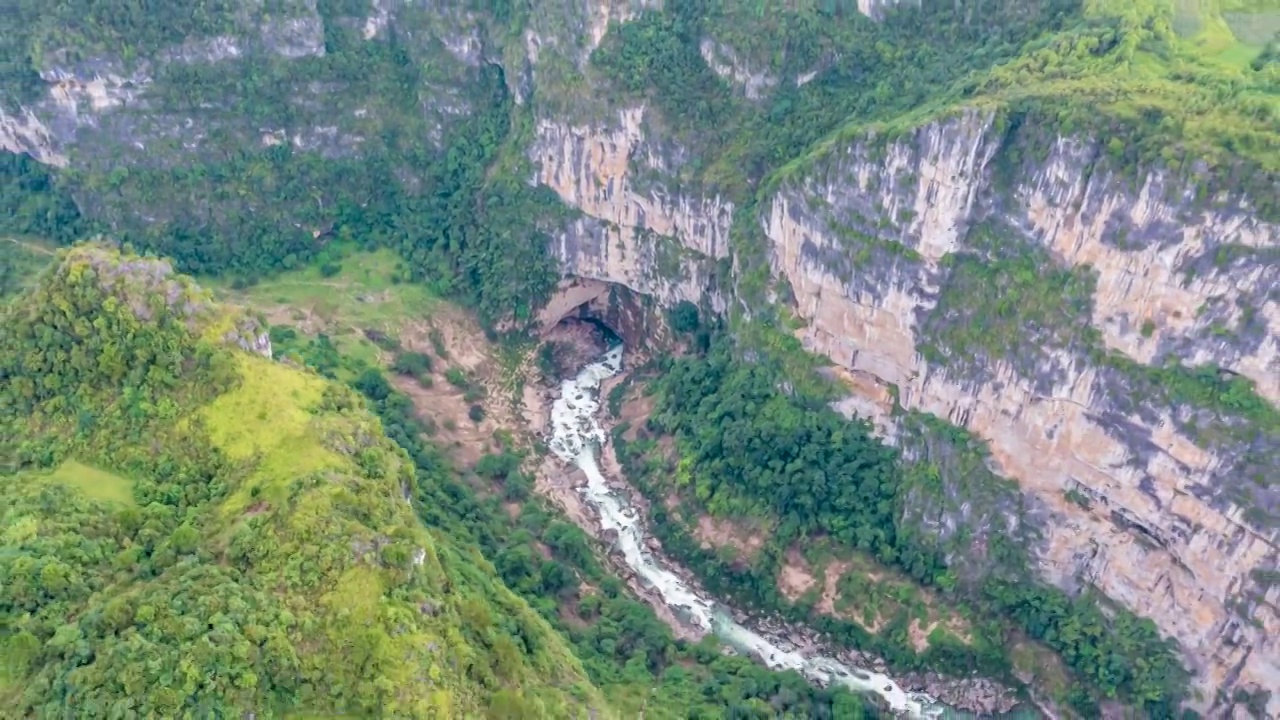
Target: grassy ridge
267	558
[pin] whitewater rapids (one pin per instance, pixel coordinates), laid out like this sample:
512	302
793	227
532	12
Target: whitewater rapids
576	437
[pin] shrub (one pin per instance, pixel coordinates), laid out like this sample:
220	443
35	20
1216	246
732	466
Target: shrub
457	378
414	364
437	343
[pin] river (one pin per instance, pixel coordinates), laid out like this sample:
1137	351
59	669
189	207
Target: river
576	437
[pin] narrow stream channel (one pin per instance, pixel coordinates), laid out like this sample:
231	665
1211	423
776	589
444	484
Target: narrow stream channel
577	437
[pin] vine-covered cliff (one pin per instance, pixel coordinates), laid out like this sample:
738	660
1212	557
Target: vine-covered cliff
1050	223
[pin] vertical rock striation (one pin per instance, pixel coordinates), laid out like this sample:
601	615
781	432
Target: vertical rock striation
651	240
868	239
1010	281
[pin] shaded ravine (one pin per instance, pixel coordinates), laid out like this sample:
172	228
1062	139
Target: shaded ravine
576	437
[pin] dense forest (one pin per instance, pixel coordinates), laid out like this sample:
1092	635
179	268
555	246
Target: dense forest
193	529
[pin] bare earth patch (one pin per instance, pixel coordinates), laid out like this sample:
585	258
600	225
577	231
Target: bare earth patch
445	404
831	587
636	409
463	338
722	532
920	635
466	441
795	578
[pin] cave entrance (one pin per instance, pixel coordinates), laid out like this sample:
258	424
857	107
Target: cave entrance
584	317
616	311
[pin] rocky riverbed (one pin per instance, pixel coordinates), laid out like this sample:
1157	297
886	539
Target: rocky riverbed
596	496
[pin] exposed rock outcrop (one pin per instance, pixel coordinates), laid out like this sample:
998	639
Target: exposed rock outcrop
651	240
868	243
1162	538
866	238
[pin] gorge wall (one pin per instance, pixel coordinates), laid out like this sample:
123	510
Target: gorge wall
978	266
875	243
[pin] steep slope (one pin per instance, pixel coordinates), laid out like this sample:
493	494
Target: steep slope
189	526
1073	257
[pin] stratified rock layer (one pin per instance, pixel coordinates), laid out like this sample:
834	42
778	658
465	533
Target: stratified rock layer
1167	533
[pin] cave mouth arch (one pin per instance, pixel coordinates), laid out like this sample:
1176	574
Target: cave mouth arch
616	312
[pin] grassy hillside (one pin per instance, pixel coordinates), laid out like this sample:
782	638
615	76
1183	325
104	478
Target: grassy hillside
191	528
1172	73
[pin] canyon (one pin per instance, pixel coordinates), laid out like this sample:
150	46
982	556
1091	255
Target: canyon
1162	536
871	242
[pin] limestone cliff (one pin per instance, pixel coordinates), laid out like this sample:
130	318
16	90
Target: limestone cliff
652	240
1179	521
1177	526
280	82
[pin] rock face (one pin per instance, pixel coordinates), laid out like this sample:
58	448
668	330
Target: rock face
652	240
101	100
267	86
871	241
1168	534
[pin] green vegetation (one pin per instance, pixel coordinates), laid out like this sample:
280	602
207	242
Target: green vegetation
259	555
450	198
413	364
93	483
865	70
822	475
21	260
35	203
628	653
1197	103
251	548
167	483
1224	394
367	298
1176	100
1008	301
1203	107
747	449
